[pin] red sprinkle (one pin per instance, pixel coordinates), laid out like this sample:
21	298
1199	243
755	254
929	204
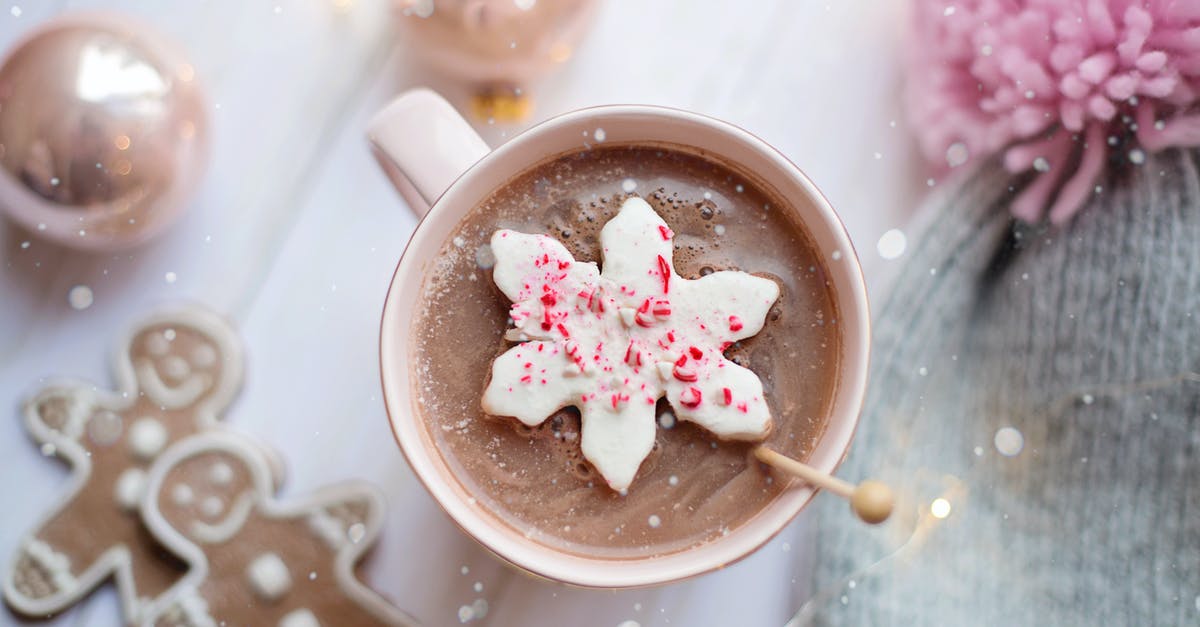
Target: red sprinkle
728	395
617	399
549	299
526	379
666	233
562	265
691	397
665	269
681	361
563	330
529	364
735	323
742	408
687	375
696	353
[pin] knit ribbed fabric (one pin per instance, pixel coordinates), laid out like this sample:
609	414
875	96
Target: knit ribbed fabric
1086	341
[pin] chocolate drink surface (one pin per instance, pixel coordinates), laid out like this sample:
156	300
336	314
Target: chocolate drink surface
693	487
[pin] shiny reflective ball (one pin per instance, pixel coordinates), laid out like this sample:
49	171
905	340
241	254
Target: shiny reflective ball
102	132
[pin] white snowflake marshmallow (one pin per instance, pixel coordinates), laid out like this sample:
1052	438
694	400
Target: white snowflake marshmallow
612	343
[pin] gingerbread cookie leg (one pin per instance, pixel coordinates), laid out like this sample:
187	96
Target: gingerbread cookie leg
176	373
253	560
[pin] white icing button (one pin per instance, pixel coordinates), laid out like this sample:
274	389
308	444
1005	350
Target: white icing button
299	618
182	495
175	367
212	507
204	356
269	577
147	437
131	485
220	473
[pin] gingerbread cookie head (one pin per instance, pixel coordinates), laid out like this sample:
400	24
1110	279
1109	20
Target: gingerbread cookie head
176	372
206	494
253	560
189	360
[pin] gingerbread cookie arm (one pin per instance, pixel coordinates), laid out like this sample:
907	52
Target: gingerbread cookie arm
39	580
350	515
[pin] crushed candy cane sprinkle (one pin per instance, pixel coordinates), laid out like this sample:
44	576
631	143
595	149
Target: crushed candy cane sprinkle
613	342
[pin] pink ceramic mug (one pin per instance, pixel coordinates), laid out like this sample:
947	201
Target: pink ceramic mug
444	169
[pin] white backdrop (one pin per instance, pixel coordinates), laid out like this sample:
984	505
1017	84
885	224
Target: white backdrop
295	233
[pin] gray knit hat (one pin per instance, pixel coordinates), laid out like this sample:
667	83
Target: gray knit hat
1043	382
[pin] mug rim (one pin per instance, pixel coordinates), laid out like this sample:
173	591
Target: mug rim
500	538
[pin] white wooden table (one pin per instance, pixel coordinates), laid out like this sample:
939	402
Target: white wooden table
295	233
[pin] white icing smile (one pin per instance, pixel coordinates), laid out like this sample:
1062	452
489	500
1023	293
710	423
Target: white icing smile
191	387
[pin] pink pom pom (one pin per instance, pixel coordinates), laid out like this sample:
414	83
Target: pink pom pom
1055	85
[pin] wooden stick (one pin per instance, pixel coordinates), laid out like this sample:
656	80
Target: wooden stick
871	500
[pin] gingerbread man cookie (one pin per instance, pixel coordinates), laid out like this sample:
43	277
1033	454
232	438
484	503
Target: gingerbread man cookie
253	560
175	374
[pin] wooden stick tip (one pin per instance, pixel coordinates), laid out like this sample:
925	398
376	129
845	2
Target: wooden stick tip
872	501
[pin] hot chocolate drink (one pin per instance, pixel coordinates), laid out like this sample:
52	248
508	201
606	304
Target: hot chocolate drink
692	487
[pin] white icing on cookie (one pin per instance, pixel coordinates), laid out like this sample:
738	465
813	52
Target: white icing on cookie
227	527
56	564
176	367
204	356
130	487
356	532
631	334
299	618
182	495
177	397
147	437
328	528
212	506
220	474
269	577
194	610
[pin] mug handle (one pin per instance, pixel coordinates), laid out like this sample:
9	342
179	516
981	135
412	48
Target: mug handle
423	145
